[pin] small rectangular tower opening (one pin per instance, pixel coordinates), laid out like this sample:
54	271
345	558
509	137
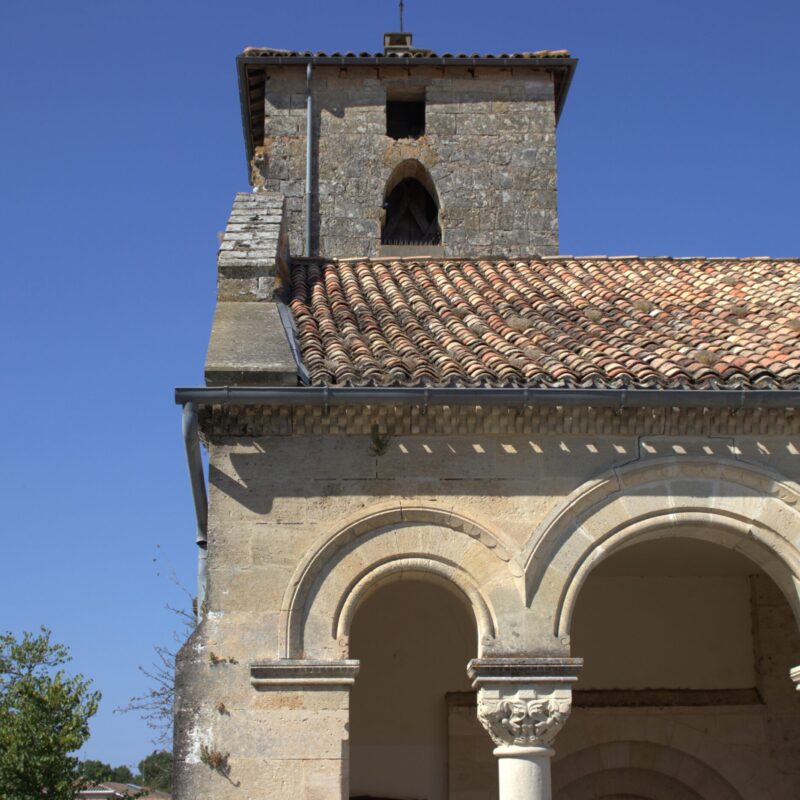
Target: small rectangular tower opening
405	115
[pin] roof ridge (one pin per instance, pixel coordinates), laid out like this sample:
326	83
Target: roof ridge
413	53
529	258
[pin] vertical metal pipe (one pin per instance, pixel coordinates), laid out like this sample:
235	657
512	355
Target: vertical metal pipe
194	460
309	135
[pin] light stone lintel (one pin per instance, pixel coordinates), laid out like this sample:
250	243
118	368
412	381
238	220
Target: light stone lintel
302	672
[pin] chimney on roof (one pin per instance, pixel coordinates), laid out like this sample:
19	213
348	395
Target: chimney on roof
396	43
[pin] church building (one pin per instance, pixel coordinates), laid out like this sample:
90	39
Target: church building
481	521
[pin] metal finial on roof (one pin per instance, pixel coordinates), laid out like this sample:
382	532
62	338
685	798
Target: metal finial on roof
401	16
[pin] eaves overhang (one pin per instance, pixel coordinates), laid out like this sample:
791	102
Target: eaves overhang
252	69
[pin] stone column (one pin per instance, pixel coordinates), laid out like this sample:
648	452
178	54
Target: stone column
523	703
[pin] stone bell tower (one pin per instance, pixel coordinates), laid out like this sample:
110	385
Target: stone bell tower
407	152
439	484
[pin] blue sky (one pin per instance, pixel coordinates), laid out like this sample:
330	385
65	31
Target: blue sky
121	152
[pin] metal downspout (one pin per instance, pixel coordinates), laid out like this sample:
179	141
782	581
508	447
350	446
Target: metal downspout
191	440
309	136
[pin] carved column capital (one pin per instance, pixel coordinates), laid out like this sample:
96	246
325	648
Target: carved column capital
523	702
524	719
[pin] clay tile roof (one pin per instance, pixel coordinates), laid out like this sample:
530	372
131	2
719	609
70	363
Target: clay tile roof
640	323
267	52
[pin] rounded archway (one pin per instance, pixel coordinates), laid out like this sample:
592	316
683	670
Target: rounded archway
671	621
345	566
413	639
686	643
628	784
411	207
741	506
642	770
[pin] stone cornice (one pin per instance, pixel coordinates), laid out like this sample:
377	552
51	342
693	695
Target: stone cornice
232	420
302	672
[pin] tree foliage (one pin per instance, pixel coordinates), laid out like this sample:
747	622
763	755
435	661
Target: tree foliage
155	771
44	717
98	771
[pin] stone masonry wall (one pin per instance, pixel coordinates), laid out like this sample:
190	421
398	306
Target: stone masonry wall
273	498
489	147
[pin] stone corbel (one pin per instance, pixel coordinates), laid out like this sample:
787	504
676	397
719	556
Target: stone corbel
289	672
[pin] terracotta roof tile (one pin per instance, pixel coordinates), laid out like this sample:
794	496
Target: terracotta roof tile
410	53
593	322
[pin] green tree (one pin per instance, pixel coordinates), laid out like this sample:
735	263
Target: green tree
44	717
155	771
98	771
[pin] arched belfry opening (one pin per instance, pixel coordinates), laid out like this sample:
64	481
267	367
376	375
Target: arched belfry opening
411	207
413	638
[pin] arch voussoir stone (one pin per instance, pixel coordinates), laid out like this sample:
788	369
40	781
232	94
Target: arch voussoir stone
735	504
389	545
628	784
638	769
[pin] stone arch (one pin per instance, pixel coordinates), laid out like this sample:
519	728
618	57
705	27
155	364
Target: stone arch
411	206
736	504
645	769
627	784
433	570
345	567
411	168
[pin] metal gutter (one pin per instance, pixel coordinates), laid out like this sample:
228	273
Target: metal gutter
191	440
733	399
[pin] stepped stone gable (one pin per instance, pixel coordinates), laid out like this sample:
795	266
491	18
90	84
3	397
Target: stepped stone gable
480	521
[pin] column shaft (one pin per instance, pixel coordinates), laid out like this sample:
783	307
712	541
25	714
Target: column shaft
524	772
